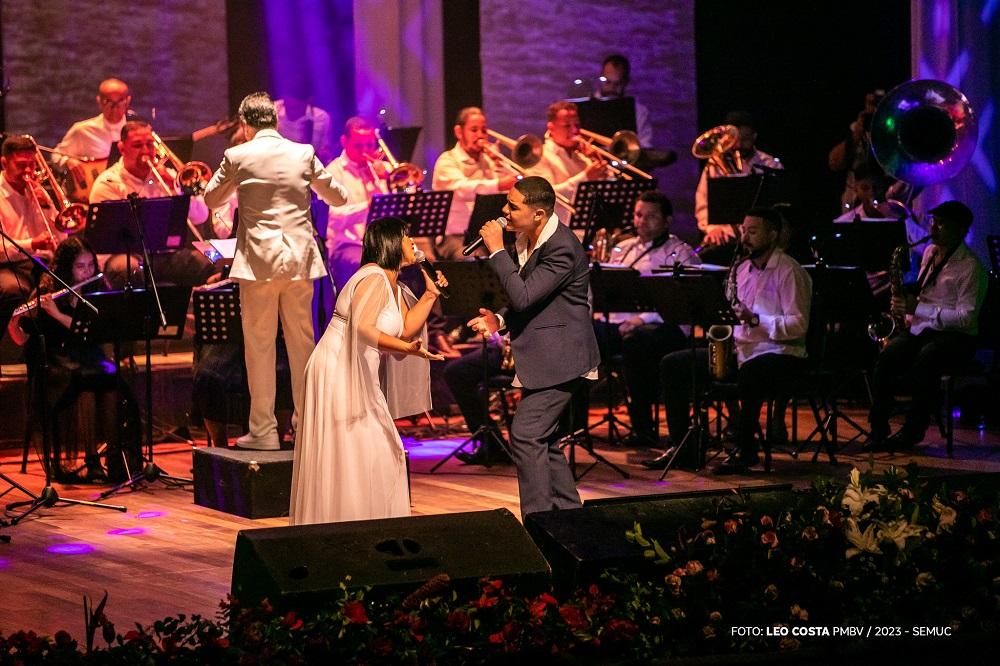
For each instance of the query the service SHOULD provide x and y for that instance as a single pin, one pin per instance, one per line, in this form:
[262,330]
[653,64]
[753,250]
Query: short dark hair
[954,211]
[132,126]
[383,243]
[620,62]
[537,192]
[357,124]
[257,110]
[741,119]
[556,107]
[18,143]
[771,217]
[658,198]
[465,113]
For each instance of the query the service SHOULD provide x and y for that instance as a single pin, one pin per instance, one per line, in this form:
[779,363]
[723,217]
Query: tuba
[718,146]
[923,132]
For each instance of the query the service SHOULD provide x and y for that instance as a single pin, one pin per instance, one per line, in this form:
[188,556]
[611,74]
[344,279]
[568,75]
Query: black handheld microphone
[474,245]
[427,267]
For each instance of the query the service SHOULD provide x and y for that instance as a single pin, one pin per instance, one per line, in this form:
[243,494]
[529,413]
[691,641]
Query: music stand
[124,317]
[868,245]
[607,115]
[730,197]
[474,285]
[217,317]
[692,300]
[426,213]
[110,229]
[606,204]
[487,207]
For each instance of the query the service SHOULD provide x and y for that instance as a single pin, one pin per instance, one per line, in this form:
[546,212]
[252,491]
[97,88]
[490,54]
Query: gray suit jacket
[272,177]
[549,319]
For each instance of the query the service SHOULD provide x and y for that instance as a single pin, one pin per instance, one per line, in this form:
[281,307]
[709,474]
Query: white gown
[349,461]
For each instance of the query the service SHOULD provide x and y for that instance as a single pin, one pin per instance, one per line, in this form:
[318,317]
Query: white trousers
[262,303]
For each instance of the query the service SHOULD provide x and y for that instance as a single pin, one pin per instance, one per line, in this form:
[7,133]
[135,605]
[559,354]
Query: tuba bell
[718,146]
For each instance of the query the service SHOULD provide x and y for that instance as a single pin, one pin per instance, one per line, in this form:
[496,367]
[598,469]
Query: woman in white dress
[349,461]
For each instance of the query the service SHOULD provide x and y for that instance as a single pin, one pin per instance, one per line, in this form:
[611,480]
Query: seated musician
[92,138]
[359,170]
[467,169]
[772,303]
[944,320]
[615,76]
[27,215]
[134,172]
[566,160]
[719,240]
[78,374]
[643,338]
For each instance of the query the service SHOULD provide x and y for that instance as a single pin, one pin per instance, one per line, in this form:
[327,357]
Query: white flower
[863,542]
[946,514]
[856,497]
[898,531]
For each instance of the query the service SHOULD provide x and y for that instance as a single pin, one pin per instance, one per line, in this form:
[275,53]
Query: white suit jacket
[271,177]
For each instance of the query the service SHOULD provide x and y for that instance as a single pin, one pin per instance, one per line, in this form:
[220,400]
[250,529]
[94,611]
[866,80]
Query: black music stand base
[483,433]
[149,473]
[582,438]
[48,497]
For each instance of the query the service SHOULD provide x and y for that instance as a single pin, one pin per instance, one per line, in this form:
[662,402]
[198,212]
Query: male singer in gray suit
[277,257]
[547,278]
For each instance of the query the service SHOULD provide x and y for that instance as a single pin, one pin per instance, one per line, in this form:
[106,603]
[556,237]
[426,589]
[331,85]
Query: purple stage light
[126,531]
[4,563]
[70,549]
[151,514]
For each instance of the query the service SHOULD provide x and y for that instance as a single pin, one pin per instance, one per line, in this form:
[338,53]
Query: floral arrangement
[887,549]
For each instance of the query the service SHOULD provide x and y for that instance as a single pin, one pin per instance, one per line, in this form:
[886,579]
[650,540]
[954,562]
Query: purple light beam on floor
[126,531]
[70,549]
[150,514]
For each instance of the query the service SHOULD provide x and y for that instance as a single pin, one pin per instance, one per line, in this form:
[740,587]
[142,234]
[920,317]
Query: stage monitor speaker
[581,545]
[301,568]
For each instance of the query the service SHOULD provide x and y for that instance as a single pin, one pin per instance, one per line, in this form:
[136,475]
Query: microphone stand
[150,471]
[48,496]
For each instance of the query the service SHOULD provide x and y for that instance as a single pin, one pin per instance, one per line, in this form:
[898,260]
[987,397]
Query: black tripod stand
[474,285]
[693,300]
[159,222]
[48,496]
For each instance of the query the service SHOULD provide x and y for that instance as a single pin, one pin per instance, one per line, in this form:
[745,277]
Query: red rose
[984,516]
[537,608]
[731,526]
[769,539]
[382,646]
[573,616]
[354,611]
[291,621]
[766,521]
[458,620]
[620,629]
[497,637]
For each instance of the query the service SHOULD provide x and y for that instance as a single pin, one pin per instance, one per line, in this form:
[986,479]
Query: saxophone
[885,328]
[720,336]
[506,355]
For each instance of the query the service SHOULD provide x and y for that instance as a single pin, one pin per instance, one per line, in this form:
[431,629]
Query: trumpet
[527,152]
[31,305]
[191,176]
[718,146]
[403,176]
[71,217]
[617,149]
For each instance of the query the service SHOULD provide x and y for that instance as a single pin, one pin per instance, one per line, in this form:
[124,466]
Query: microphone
[474,245]
[427,267]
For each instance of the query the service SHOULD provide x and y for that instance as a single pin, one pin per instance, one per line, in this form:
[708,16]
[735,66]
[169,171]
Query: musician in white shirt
[565,160]
[94,137]
[944,320]
[466,170]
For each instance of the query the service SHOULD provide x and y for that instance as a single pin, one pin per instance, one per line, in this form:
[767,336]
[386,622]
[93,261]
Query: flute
[22,309]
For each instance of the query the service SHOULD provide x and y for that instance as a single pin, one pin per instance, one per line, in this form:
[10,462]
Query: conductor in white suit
[277,257]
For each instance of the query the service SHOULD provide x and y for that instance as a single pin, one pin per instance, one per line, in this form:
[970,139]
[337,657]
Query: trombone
[191,176]
[618,151]
[71,217]
[527,152]
[403,176]
[169,191]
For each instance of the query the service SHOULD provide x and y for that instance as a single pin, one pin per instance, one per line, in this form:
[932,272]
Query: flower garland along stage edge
[887,550]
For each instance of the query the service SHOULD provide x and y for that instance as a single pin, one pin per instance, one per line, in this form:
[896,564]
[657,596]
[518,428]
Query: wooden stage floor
[165,555]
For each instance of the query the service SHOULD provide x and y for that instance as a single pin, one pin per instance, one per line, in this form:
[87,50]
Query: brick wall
[532,50]
[172,55]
